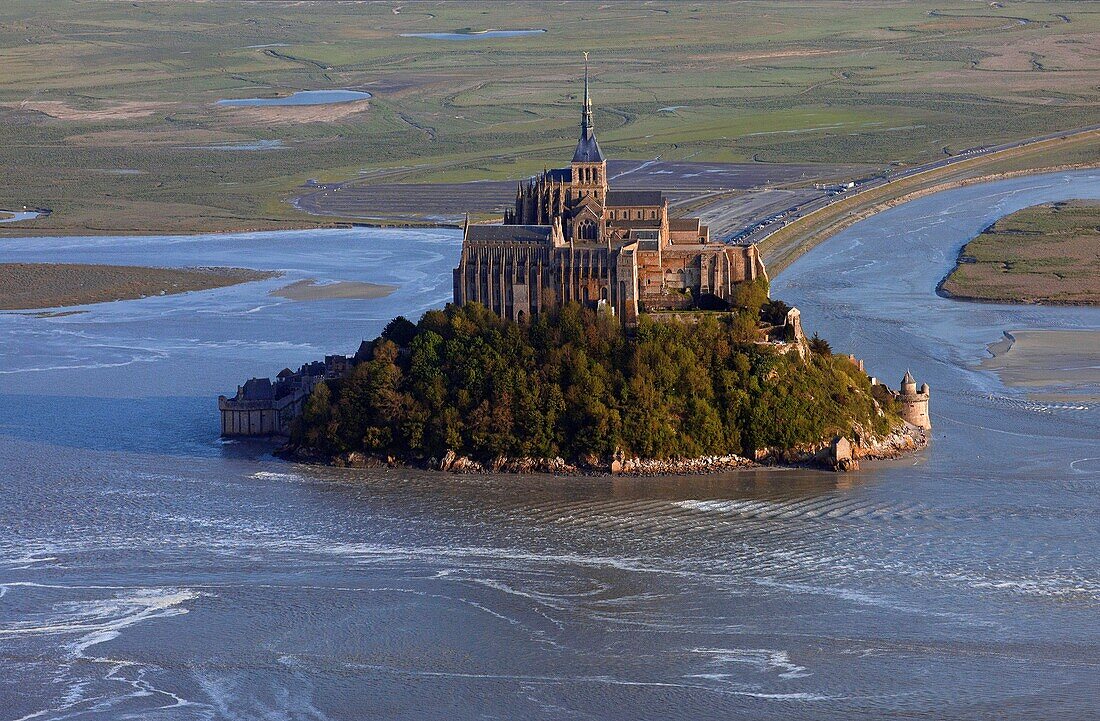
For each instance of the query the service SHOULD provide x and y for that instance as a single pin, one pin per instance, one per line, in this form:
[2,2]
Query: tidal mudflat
[310,289]
[150,569]
[51,285]
[1052,365]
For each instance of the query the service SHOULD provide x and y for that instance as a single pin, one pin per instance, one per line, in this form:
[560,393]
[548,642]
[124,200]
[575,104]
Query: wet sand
[27,286]
[146,562]
[1055,365]
[310,289]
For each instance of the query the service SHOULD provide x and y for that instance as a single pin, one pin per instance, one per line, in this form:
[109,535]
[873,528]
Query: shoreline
[905,440]
[785,258]
[287,226]
[294,224]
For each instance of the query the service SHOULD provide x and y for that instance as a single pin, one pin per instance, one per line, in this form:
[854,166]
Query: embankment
[784,246]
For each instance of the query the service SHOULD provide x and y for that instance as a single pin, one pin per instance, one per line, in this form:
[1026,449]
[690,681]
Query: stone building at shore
[572,237]
[265,408]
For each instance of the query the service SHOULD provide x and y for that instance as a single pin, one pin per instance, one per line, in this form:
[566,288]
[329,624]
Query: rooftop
[588,150]
[507,233]
[619,198]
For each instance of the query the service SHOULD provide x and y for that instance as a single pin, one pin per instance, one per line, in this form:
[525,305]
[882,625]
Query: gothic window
[586,230]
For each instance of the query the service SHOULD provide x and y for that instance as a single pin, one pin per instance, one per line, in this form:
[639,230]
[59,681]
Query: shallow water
[146,568]
[14,216]
[303,97]
[474,35]
[238,147]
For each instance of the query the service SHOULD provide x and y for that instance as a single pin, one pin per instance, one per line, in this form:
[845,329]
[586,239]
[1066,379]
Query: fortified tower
[914,403]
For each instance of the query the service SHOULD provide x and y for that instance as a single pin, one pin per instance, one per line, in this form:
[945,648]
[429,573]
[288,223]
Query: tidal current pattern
[150,570]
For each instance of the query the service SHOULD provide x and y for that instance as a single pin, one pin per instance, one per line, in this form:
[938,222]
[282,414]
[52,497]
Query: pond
[12,216]
[302,97]
[474,34]
[251,145]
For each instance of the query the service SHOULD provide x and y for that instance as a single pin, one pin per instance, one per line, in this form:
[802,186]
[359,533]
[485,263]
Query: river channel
[150,570]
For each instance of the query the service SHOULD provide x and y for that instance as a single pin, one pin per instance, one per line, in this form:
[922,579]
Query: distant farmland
[108,111]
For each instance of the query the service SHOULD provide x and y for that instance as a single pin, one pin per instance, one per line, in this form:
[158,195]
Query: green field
[105,107]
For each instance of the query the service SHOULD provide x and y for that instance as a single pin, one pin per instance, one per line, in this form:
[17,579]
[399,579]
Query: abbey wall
[571,237]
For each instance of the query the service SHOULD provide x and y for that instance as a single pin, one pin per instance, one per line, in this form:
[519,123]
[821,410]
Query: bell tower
[589,168]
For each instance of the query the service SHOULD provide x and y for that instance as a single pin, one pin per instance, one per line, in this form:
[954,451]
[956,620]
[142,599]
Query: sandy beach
[1055,365]
[27,286]
[310,289]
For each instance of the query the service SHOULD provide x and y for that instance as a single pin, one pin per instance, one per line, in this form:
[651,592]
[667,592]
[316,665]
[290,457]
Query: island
[25,286]
[592,330]
[574,390]
[1043,254]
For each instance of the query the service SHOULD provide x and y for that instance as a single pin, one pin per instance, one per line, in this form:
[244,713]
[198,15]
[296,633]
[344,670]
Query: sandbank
[310,289]
[1054,365]
[27,286]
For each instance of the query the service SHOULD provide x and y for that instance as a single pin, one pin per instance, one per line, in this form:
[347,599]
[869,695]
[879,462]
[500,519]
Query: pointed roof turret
[908,378]
[588,150]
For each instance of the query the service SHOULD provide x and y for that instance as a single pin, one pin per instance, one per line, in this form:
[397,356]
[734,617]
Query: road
[764,228]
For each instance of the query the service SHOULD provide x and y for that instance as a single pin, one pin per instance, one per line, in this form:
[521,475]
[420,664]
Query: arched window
[586,230]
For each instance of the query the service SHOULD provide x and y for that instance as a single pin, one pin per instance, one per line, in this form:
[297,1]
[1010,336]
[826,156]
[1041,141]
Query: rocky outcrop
[839,454]
[676,466]
[844,454]
[902,440]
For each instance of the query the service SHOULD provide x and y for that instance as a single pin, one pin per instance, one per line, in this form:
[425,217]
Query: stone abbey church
[572,238]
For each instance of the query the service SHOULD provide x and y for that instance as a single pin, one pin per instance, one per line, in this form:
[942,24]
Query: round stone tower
[912,403]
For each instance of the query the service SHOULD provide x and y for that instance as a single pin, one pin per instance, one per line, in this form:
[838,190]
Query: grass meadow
[108,110]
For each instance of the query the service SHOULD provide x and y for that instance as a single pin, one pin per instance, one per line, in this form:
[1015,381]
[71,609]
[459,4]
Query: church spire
[587,128]
[588,150]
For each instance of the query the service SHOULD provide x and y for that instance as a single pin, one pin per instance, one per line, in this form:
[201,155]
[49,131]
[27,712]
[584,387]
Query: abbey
[571,237]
